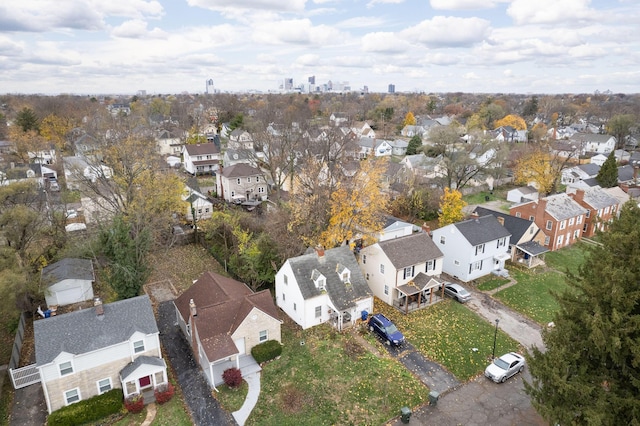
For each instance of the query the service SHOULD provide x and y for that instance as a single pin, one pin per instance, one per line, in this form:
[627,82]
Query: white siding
[377,280]
[292,296]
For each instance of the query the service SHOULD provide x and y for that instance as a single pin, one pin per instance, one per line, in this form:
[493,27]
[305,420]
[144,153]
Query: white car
[504,367]
[457,292]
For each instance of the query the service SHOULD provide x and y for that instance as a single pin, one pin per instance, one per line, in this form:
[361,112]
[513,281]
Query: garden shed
[68,281]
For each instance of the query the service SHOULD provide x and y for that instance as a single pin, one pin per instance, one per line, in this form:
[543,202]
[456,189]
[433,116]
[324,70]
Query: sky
[174,46]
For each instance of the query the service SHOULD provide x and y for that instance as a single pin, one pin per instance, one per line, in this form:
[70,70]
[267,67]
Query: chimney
[99,308]
[475,214]
[500,220]
[320,251]
[426,228]
[193,313]
[192,308]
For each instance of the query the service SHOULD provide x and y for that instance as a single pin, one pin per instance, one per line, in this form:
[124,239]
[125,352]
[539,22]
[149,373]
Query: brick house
[558,216]
[601,209]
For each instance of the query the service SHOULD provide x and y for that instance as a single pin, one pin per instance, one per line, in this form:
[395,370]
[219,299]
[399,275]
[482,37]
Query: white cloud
[361,22]
[372,3]
[587,51]
[446,31]
[137,28]
[279,5]
[295,31]
[384,43]
[464,4]
[551,11]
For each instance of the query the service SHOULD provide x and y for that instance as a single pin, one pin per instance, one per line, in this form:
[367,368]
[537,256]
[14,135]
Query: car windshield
[391,329]
[501,363]
[463,292]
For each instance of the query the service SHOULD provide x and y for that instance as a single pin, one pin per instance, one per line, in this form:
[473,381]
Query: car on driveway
[386,329]
[504,367]
[457,292]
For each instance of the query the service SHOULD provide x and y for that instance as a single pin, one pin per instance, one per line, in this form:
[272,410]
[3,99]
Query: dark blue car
[386,329]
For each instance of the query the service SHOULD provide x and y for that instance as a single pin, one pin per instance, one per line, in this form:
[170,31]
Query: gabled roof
[343,296]
[410,250]
[517,226]
[67,269]
[482,229]
[202,149]
[598,198]
[590,169]
[222,304]
[562,207]
[83,331]
[591,137]
[240,170]
[625,173]
[139,362]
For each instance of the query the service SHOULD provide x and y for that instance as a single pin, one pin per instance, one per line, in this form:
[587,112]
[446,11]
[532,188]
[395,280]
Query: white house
[522,194]
[400,270]
[68,281]
[241,182]
[87,352]
[77,170]
[198,204]
[323,286]
[593,142]
[579,173]
[473,248]
[376,147]
[168,143]
[201,158]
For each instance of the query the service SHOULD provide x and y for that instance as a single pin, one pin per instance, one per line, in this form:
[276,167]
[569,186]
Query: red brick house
[559,217]
[601,209]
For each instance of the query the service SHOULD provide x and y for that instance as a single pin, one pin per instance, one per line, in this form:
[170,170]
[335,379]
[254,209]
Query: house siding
[304,312]
[83,291]
[541,216]
[253,324]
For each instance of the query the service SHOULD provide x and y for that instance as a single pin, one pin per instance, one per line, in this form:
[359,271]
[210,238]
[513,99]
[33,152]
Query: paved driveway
[204,409]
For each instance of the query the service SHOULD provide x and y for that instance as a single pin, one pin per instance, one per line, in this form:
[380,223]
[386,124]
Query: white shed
[68,281]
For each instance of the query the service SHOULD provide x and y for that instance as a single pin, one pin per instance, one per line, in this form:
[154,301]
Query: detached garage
[68,281]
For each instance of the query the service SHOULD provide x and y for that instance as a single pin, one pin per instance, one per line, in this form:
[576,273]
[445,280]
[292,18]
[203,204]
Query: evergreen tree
[608,174]
[27,120]
[590,372]
[415,143]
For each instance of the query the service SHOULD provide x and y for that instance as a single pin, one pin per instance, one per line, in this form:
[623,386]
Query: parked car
[386,329]
[457,292]
[504,367]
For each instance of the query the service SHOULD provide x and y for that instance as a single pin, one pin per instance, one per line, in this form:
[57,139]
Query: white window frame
[571,221]
[318,311]
[547,240]
[285,279]
[63,371]
[579,220]
[238,180]
[456,262]
[77,395]
[100,391]
[295,306]
[518,214]
[386,289]
[549,225]
[136,346]
[560,240]
[563,224]
[430,265]
[479,249]
[443,239]
[263,336]
[382,268]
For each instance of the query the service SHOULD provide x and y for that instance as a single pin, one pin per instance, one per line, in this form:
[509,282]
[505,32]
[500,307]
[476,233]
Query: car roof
[383,319]
[510,357]
[455,285]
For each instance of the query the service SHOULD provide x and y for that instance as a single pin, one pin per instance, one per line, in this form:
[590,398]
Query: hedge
[89,410]
[266,351]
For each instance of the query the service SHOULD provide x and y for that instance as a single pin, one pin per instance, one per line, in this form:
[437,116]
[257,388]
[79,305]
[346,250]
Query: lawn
[326,378]
[567,258]
[447,333]
[231,399]
[532,295]
[491,282]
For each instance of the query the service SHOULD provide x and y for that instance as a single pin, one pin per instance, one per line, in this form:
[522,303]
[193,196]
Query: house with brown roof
[223,320]
[201,158]
[241,182]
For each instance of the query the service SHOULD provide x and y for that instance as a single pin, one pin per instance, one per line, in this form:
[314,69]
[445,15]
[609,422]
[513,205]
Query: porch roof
[532,248]
[420,283]
[142,360]
[502,256]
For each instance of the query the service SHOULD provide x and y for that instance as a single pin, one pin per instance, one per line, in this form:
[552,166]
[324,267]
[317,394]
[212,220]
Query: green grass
[567,258]
[326,378]
[447,332]
[491,283]
[231,399]
[532,295]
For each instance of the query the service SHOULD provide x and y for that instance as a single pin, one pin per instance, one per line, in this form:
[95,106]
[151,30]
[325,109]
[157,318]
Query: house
[338,118]
[580,172]
[201,158]
[85,145]
[423,167]
[234,156]
[558,216]
[223,320]
[601,207]
[67,281]
[522,194]
[473,248]
[363,130]
[509,134]
[399,147]
[198,204]
[34,172]
[525,243]
[240,139]
[402,271]
[44,156]
[168,143]
[241,182]
[594,143]
[377,147]
[323,286]
[410,131]
[598,159]
[395,228]
[87,352]
[77,171]
[621,155]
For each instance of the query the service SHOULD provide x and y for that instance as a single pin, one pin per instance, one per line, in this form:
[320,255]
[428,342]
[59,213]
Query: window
[260,189]
[249,180]
[295,307]
[430,266]
[531,231]
[286,279]
[563,224]
[585,227]
[501,242]
[318,311]
[575,234]
[238,180]
[72,396]
[456,262]
[547,240]
[475,266]
[138,346]
[263,336]
[104,385]
[408,272]
[386,289]
[571,221]
[579,220]
[206,210]
[479,248]
[560,239]
[66,368]
[588,213]
[549,224]
[199,211]
[381,268]
[364,258]
[442,239]
[284,297]
[518,214]
[367,275]
[531,218]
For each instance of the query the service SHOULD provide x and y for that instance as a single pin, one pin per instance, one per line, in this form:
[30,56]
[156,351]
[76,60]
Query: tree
[512,120]
[590,371]
[409,119]
[486,116]
[451,205]
[531,107]
[27,120]
[55,129]
[415,143]
[542,166]
[620,126]
[608,175]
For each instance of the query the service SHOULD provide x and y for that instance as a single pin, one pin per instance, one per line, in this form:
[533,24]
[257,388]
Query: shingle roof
[517,226]
[141,360]
[341,295]
[79,269]
[590,169]
[482,229]
[202,149]
[240,170]
[410,250]
[562,207]
[83,331]
[598,198]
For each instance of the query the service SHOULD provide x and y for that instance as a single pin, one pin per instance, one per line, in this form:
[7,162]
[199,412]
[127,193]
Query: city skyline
[174,46]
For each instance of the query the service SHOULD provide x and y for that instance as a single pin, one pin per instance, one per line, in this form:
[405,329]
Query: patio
[418,294]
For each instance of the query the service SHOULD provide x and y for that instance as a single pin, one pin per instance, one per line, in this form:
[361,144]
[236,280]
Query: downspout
[213,381]
[46,392]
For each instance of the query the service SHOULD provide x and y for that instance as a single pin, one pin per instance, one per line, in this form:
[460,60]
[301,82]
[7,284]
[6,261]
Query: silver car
[457,292]
[504,367]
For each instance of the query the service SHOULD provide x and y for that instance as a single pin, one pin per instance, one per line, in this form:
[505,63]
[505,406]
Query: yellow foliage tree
[541,168]
[357,206]
[451,205]
[512,120]
[55,128]
[409,119]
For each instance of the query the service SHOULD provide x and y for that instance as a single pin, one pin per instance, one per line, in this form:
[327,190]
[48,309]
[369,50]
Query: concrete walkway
[151,414]
[253,382]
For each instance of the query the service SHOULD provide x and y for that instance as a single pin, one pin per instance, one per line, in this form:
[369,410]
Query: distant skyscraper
[392,88]
[209,86]
[288,84]
[312,80]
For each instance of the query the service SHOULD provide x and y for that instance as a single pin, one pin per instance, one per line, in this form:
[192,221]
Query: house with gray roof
[403,271]
[578,173]
[241,183]
[323,286]
[601,207]
[473,248]
[67,281]
[87,352]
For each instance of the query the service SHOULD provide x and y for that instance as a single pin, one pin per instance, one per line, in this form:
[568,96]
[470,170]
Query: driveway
[204,409]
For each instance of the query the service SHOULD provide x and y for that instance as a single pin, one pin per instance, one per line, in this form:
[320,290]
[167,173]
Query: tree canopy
[451,205]
[512,120]
[590,371]
[409,119]
[620,126]
[415,143]
[608,174]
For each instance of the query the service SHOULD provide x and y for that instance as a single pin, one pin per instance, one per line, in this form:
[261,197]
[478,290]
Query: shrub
[266,351]
[164,393]
[89,410]
[134,403]
[232,377]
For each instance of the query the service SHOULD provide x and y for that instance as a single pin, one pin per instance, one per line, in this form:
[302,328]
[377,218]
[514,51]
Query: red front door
[145,382]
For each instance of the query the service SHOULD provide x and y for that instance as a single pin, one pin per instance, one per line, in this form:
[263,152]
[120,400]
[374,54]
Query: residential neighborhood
[271,251]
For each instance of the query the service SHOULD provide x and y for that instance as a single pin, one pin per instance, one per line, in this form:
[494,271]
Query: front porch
[245,363]
[529,254]
[418,294]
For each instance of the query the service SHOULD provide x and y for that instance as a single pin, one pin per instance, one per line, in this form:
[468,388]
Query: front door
[145,382]
[240,345]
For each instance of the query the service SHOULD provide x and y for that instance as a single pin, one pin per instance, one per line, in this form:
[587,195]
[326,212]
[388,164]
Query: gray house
[68,281]
[473,248]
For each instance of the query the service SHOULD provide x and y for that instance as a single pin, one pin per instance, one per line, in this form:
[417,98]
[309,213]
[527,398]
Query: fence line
[17,343]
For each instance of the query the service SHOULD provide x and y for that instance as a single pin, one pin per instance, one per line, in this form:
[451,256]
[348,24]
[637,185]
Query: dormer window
[318,279]
[344,273]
